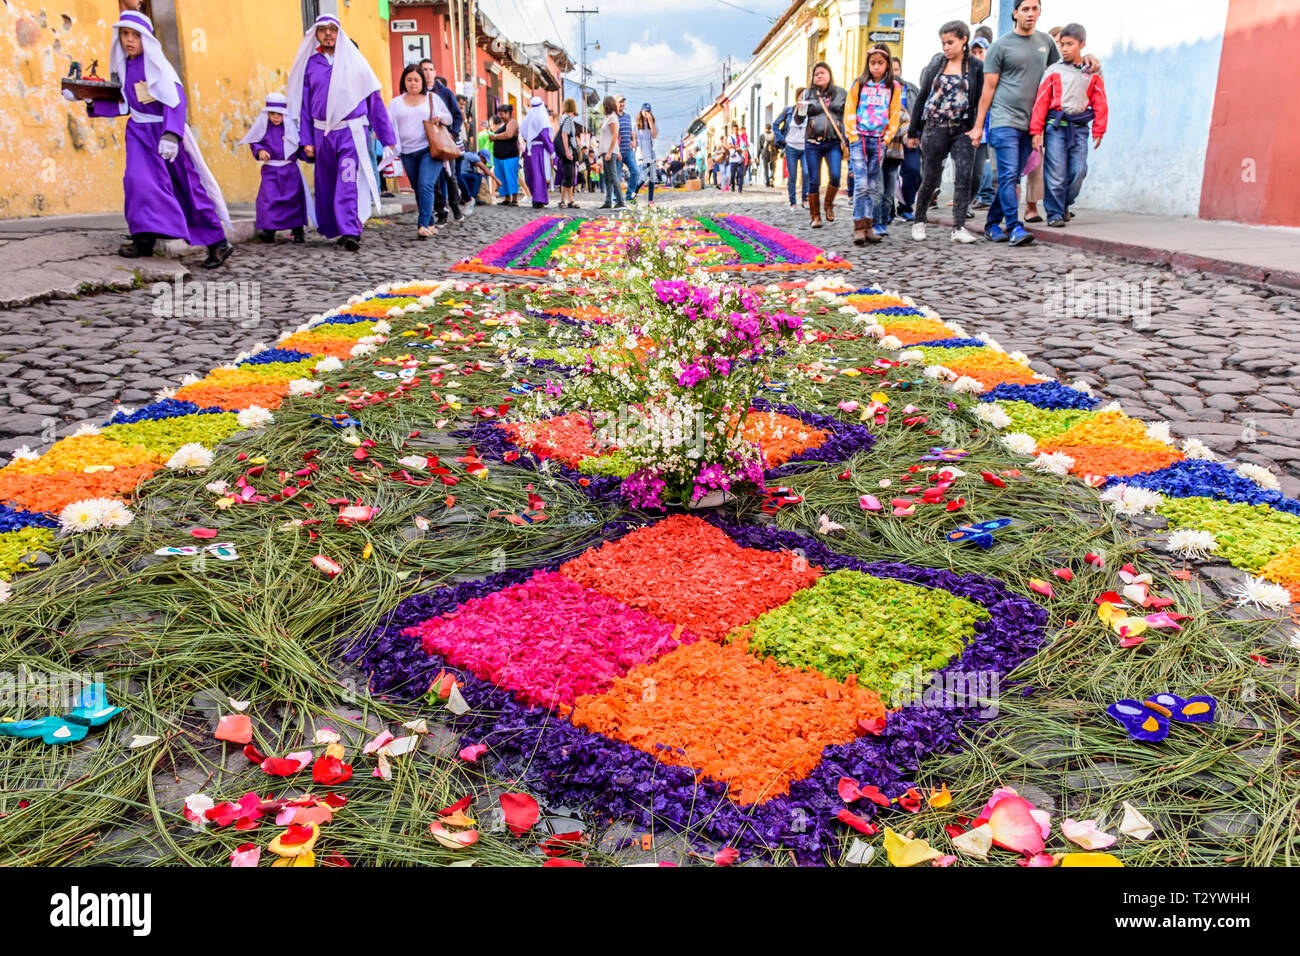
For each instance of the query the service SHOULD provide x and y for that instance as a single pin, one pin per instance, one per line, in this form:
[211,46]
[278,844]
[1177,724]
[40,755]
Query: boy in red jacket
[1068,101]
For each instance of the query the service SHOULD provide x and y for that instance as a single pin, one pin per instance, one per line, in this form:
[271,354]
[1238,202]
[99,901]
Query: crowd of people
[1022,107]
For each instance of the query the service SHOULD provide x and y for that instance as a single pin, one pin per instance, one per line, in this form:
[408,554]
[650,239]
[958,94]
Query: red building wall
[1252,163]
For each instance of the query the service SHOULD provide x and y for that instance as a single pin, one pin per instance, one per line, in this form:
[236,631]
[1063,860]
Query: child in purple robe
[283,200]
[535,131]
[168,189]
[333,97]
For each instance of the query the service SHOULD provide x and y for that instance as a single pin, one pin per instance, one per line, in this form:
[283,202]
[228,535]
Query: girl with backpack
[873,115]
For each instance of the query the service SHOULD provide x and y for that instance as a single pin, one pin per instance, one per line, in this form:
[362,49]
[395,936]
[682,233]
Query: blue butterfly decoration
[522,388]
[1149,719]
[338,421]
[945,454]
[92,710]
[978,534]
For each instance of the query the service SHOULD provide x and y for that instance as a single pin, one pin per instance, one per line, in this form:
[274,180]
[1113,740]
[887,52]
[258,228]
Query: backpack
[780,126]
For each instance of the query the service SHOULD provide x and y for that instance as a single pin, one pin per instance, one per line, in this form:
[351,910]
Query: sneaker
[962,235]
[918,231]
[1020,236]
[1056,223]
[907,217]
[881,230]
[457,216]
[606,206]
[995,233]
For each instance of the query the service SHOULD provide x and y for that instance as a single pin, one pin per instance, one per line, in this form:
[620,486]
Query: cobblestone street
[1214,357]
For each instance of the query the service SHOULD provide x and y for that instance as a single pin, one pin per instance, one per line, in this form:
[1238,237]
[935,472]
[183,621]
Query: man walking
[767,151]
[627,154]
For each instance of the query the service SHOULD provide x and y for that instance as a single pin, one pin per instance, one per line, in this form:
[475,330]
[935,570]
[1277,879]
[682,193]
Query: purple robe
[340,170]
[282,197]
[162,198]
[540,153]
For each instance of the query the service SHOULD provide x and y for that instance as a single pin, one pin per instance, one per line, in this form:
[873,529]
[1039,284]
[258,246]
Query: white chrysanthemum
[1080,385]
[5,591]
[372,340]
[1021,443]
[958,331]
[937,372]
[287,333]
[329,364]
[1020,357]
[1263,594]
[190,379]
[1195,448]
[254,416]
[304,386]
[871,327]
[114,514]
[163,394]
[994,344]
[217,487]
[967,384]
[85,428]
[24,454]
[1259,475]
[1111,407]
[1131,501]
[381,328]
[81,516]
[360,349]
[190,457]
[891,342]
[1057,463]
[125,410]
[1159,431]
[1192,543]
[992,414]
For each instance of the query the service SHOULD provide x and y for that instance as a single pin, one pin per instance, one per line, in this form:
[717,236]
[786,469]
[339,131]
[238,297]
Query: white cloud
[659,64]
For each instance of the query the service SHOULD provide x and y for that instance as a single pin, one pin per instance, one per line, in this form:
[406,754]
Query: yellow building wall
[57,160]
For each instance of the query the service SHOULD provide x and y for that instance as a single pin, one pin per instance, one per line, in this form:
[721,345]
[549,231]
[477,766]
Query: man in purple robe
[335,96]
[168,188]
[535,131]
[283,201]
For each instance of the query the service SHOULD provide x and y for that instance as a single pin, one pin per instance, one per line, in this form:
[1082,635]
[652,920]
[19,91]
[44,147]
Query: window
[310,11]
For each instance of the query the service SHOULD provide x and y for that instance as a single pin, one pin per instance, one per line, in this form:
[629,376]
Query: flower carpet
[719,243]
[482,503]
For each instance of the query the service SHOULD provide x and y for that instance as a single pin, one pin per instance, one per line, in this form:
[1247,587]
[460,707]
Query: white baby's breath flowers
[1264,595]
[965,383]
[1195,448]
[992,414]
[329,364]
[190,457]
[304,386]
[1259,475]
[1192,543]
[1056,463]
[254,416]
[1021,443]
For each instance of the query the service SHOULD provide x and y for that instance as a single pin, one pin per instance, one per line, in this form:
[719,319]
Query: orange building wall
[1252,163]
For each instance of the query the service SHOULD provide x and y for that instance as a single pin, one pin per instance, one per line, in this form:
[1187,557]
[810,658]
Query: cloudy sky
[665,52]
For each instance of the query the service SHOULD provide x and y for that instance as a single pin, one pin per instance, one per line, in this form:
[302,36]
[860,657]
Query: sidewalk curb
[1177,261]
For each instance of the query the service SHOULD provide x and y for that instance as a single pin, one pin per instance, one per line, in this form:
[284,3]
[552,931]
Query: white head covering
[159,75]
[275,103]
[350,83]
[536,120]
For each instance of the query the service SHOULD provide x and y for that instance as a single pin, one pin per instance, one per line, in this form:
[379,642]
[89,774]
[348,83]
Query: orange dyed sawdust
[990,374]
[795,436]
[1110,428]
[77,453]
[749,723]
[51,492]
[236,398]
[685,571]
[319,345]
[1112,459]
[926,330]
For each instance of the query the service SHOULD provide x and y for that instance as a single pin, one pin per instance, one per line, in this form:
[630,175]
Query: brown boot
[868,233]
[830,198]
[815,210]
[860,229]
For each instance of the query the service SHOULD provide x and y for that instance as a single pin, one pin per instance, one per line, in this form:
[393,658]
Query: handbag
[844,143]
[441,145]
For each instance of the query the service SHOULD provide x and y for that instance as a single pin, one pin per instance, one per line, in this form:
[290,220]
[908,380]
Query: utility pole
[582,13]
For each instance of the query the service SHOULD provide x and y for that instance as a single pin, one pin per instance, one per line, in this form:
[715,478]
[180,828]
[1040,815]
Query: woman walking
[875,107]
[609,155]
[505,153]
[944,116]
[535,131]
[646,131]
[408,111]
[568,150]
[824,104]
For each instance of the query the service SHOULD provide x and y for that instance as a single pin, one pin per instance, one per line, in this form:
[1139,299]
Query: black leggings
[939,141]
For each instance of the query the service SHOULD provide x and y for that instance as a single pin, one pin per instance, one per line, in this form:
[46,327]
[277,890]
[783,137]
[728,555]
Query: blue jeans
[737,176]
[793,165]
[1011,148]
[633,174]
[813,154]
[1064,166]
[986,192]
[647,179]
[864,159]
[909,178]
[422,170]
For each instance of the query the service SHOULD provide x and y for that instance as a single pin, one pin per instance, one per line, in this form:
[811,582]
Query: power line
[725,3]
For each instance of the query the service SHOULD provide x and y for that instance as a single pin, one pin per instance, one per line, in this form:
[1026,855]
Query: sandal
[1033,219]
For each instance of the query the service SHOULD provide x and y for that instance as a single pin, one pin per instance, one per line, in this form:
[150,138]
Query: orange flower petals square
[685,571]
[749,723]
[780,437]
